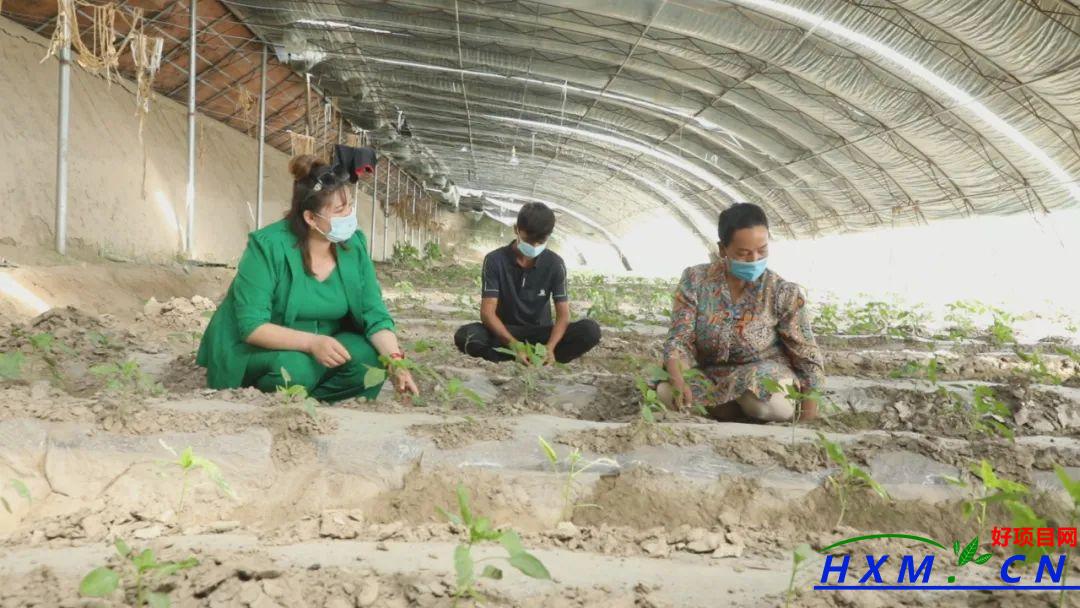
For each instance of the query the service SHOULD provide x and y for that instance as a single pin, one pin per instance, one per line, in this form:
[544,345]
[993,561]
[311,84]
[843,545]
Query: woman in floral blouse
[740,323]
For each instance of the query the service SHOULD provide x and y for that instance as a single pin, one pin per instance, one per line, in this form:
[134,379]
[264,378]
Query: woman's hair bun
[302,166]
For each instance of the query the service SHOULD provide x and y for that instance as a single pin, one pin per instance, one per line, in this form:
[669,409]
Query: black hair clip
[326,179]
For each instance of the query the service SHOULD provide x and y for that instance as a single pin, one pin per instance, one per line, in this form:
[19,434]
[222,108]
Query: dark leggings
[476,341]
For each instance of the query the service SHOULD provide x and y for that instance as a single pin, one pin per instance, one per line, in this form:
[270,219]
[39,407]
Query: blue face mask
[748,271]
[341,228]
[530,251]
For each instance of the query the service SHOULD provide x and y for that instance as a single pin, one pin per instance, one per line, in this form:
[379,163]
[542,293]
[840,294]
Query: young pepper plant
[994,490]
[477,530]
[848,477]
[146,570]
[456,389]
[188,461]
[390,367]
[533,353]
[650,399]
[798,555]
[988,412]
[795,396]
[575,465]
[296,394]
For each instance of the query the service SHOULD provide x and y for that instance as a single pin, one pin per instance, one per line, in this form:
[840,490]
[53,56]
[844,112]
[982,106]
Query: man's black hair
[737,217]
[536,220]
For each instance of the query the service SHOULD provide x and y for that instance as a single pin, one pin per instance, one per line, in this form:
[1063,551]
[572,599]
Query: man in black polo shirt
[519,281]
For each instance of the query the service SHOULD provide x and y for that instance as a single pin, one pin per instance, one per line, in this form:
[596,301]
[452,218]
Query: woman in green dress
[305,307]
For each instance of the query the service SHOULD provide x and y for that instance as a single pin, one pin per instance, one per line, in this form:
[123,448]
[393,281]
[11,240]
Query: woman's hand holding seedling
[682,395]
[396,369]
[403,381]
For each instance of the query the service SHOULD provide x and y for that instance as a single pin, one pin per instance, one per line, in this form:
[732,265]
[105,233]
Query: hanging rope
[146,56]
[301,144]
[102,56]
[246,105]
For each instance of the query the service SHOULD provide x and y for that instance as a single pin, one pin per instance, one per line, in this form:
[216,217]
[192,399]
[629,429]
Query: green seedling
[1037,371]
[422,346]
[478,529]
[390,367]
[882,318]
[1072,354]
[296,394]
[45,346]
[827,321]
[1001,330]
[917,369]
[146,573]
[574,464]
[849,477]
[993,489]
[531,357]
[20,489]
[406,255]
[432,252]
[127,378]
[988,413]
[650,401]
[795,396]
[11,365]
[798,555]
[456,389]
[962,326]
[99,340]
[188,462]
[529,354]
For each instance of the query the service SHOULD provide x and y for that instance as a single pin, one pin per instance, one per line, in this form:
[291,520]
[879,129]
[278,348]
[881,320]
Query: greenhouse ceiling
[836,116]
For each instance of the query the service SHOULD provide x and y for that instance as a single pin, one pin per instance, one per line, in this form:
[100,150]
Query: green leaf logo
[967,554]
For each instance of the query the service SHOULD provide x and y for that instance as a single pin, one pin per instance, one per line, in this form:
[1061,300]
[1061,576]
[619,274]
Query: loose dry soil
[341,510]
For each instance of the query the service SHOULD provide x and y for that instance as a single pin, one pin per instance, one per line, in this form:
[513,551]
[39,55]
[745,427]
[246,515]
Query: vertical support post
[403,224]
[189,243]
[262,142]
[307,106]
[62,129]
[374,207]
[386,217]
[413,215]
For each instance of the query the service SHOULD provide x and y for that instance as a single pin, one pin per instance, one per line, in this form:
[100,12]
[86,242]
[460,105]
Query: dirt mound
[38,589]
[293,428]
[183,375]
[181,314]
[625,438]
[450,435]
[767,452]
